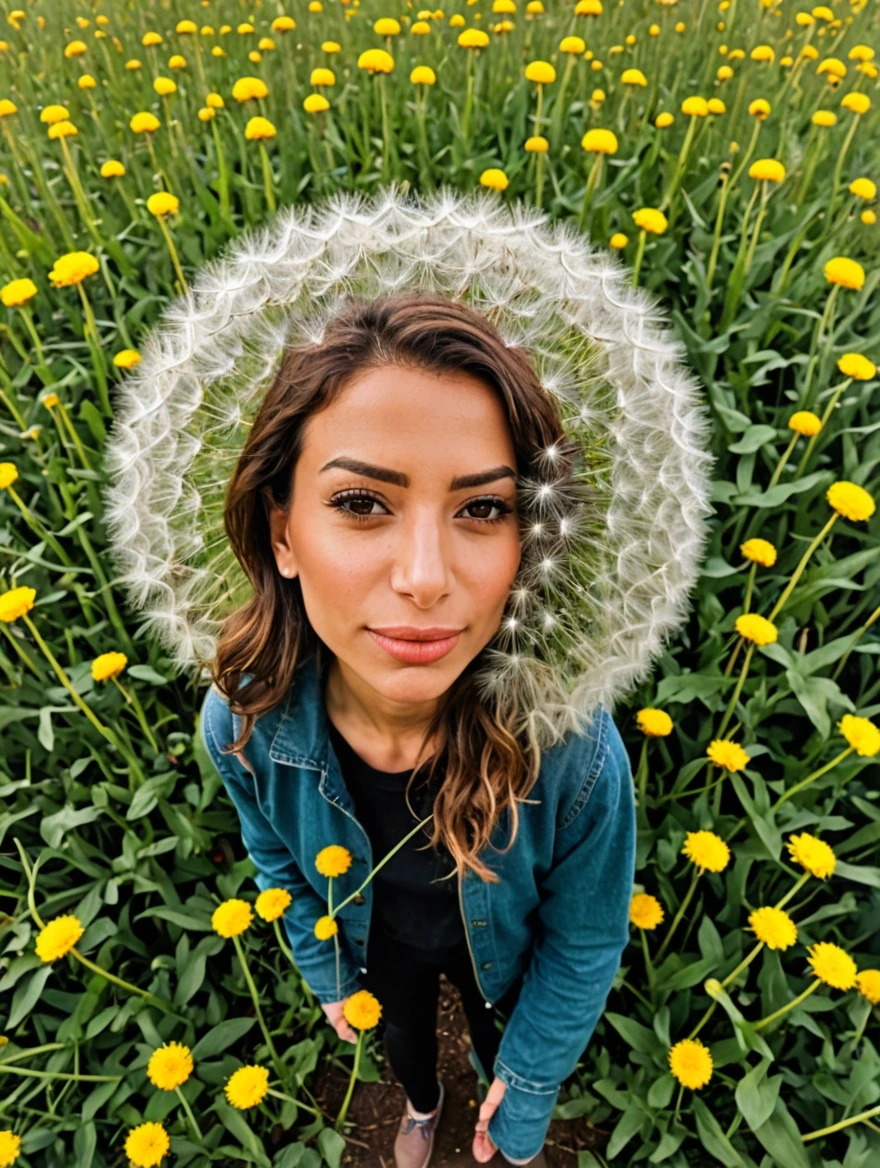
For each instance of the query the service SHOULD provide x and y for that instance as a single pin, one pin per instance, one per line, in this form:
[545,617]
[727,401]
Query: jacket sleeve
[582,931]
[275,863]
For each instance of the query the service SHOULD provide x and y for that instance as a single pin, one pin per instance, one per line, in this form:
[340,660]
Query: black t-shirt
[411,901]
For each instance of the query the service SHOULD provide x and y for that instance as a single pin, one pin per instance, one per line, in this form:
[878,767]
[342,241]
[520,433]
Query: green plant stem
[279,1065]
[682,908]
[354,1070]
[814,985]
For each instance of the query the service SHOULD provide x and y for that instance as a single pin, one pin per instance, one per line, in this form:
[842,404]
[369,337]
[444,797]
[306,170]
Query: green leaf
[639,1037]
[26,997]
[782,1139]
[713,1138]
[861,873]
[660,1092]
[235,1123]
[332,1146]
[756,1098]
[221,1037]
[624,1130]
[754,438]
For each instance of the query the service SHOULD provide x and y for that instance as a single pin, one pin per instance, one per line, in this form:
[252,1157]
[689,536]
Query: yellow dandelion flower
[127,358]
[10,1148]
[634,77]
[260,129]
[232,917]
[805,422]
[618,240]
[495,179]
[325,928]
[756,629]
[599,142]
[654,723]
[170,1066]
[846,272]
[856,103]
[664,120]
[868,984]
[857,366]
[706,850]
[322,76]
[423,75]
[18,292]
[759,551]
[825,118]
[767,170]
[851,501]
[147,1145]
[861,734]
[16,602]
[73,268]
[63,130]
[108,665]
[112,168]
[832,965]
[58,937]
[8,474]
[215,101]
[541,72]
[163,203]
[165,86]
[50,400]
[813,854]
[863,188]
[334,860]
[250,88]
[247,1087]
[273,903]
[144,123]
[362,1010]
[727,754]
[716,106]
[868,217]
[645,911]
[650,219]
[376,61]
[51,115]
[774,927]
[695,107]
[691,1063]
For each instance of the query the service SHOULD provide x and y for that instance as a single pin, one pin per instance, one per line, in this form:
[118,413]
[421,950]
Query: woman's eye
[357,499]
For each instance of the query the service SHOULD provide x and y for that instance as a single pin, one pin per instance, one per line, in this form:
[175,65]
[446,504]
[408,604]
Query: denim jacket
[559,916]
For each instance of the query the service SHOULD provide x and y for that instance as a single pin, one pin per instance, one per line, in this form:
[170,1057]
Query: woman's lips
[416,652]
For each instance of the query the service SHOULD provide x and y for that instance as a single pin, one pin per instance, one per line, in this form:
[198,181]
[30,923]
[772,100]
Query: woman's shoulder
[578,762]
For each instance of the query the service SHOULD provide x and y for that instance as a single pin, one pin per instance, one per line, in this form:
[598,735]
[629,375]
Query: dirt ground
[376,1109]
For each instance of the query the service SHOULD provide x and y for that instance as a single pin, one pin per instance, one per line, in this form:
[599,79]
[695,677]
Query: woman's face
[406,545]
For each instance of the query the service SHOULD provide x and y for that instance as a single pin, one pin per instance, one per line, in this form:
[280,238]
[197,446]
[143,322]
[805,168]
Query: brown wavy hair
[485,760]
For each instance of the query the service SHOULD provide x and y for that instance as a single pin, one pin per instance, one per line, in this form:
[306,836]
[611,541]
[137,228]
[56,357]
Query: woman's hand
[338,1021]
[483,1149]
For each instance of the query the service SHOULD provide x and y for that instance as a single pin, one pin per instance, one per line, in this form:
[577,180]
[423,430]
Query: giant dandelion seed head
[613,518]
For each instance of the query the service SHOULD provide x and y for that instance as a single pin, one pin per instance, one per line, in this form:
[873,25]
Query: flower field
[727,153]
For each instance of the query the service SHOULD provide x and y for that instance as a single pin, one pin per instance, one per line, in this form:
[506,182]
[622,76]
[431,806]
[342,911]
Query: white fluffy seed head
[610,554]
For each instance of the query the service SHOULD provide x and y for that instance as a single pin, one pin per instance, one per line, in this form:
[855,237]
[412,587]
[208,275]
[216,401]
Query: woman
[406,492]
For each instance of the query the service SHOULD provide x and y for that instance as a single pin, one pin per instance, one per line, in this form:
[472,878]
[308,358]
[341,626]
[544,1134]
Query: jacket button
[478,923]
[487,965]
[360,899]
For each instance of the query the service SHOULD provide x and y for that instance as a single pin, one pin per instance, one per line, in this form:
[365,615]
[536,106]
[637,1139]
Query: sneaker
[415,1139]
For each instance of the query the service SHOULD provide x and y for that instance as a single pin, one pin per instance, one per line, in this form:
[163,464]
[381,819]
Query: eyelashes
[338,503]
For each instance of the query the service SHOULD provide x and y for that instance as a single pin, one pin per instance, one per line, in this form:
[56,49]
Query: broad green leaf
[332,1146]
[639,1037]
[782,1139]
[624,1130]
[713,1138]
[756,1094]
[221,1037]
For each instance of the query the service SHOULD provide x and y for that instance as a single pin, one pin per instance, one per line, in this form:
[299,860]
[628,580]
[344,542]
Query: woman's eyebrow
[385,475]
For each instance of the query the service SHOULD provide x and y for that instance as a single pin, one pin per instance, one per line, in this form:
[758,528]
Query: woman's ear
[277,519]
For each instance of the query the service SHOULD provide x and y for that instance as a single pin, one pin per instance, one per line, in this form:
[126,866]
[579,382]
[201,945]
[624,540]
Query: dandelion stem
[682,908]
[790,1006]
[810,779]
[640,251]
[279,1066]
[345,1102]
[192,1119]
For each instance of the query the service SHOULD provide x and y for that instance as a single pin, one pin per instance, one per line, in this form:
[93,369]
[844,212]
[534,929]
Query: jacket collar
[302,736]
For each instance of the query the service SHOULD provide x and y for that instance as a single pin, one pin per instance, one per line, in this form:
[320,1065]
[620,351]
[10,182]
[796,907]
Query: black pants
[407,983]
